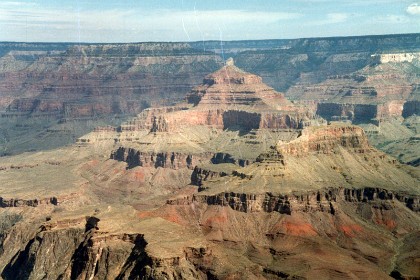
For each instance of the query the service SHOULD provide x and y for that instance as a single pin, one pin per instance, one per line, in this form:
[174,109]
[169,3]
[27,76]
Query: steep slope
[90,80]
[282,64]
[57,87]
[197,191]
[352,213]
[54,82]
[231,113]
[378,97]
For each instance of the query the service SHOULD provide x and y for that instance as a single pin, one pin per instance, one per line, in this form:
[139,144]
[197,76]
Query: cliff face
[376,92]
[114,76]
[411,107]
[234,118]
[201,235]
[378,96]
[88,85]
[81,72]
[231,98]
[325,140]
[325,192]
[239,183]
[336,155]
[367,113]
[85,253]
[397,57]
[283,63]
[83,82]
[165,159]
[321,201]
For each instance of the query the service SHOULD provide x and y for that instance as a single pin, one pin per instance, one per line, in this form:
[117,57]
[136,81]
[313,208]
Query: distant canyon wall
[92,80]
[396,57]
[364,112]
[68,79]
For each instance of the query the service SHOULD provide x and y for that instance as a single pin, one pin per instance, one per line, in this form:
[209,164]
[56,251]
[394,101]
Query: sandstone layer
[325,197]
[81,83]
[236,183]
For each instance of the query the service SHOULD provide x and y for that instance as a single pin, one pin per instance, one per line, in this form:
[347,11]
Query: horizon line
[200,41]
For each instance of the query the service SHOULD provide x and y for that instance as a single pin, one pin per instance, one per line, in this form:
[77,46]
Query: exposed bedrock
[284,120]
[149,119]
[240,119]
[353,112]
[100,79]
[325,140]
[366,112]
[230,119]
[325,200]
[411,107]
[228,158]
[275,120]
[241,106]
[86,253]
[204,174]
[16,202]
[173,160]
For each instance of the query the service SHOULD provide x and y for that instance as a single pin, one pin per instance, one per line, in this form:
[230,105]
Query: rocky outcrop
[231,119]
[376,92]
[232,76]
[390,109]
[325,140]
[219,158]
[229,98]
[86,72]
[172,160]
[231,86]
[148,118]
[396,57]
[285,120]
[351,112]
[411,107]
[16,202]
[320,201]
[241,119]
[107,128]
[201,174]
[362,113]
[79,253]
[159,125]
[284,63]
[325,193]
[87,80]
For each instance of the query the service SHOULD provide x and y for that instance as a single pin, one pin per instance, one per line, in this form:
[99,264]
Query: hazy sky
[189,20]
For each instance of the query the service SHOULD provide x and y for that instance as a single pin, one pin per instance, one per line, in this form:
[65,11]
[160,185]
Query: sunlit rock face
[238,183]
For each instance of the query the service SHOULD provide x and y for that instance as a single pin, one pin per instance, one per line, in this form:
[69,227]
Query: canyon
[61,91]
[164,161]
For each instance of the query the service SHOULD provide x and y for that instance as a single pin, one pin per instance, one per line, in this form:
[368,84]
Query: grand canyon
[258,159]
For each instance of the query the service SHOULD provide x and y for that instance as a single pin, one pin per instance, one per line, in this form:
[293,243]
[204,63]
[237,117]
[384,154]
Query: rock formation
[231,107]
[82,83]
[379,97]
[326,195]
[236,183]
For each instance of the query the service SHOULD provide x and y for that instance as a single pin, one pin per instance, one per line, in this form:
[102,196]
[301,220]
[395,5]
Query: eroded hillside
[58,92]
[238,182]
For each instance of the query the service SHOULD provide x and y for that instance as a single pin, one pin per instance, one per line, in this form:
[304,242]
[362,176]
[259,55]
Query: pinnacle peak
[231,74]
[230,62]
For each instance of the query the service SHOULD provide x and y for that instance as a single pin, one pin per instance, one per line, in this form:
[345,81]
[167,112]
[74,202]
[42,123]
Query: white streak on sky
[48,21]
[185,30]
[198,25]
